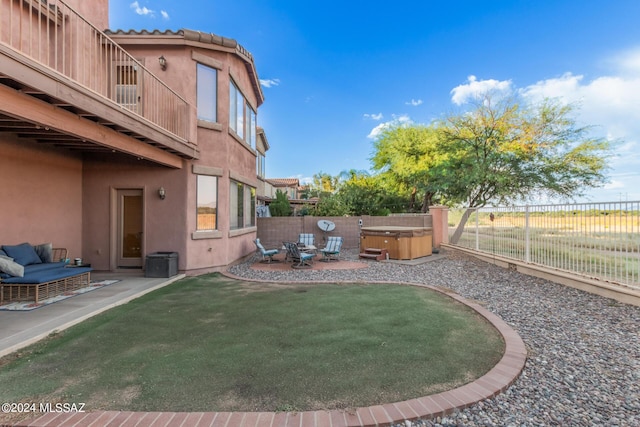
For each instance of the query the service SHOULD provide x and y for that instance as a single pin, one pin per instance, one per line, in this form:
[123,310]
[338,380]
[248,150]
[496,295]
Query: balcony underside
[37,103]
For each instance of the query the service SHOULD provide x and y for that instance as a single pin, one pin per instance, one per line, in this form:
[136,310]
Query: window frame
[242,205]
[243,118]
[206,68]
[216,201]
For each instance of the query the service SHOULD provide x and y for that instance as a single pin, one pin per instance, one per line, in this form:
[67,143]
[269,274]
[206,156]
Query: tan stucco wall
[218,149]
[40,195]
[68,198]
[164,220]
[94,11]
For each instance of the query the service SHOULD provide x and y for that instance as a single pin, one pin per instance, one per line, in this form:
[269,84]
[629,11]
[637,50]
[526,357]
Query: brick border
[494,382]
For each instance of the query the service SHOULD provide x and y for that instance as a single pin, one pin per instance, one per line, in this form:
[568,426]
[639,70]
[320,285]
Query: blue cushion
[23,254]
[35,268]
[48,275]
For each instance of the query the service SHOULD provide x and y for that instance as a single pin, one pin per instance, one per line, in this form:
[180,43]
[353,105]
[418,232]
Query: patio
[21,328]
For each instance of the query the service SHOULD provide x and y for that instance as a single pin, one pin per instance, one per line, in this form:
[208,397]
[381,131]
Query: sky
[336,72]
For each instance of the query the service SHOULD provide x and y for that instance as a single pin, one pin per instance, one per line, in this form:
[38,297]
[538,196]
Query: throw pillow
[45,252]
[23,254]
[10,267]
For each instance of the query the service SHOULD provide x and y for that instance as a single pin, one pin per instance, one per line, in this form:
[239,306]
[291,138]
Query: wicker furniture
[44,280]
[16,292]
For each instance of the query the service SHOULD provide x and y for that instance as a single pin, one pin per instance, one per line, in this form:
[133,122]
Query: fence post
[527,245]
[477,229]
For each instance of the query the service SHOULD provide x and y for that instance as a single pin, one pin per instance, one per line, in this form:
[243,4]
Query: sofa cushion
[36,268]
[48,275]
[44,251]
[23,254]
[10,267]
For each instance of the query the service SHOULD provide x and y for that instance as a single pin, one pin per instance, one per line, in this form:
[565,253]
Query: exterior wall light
[163,62]
[162,193]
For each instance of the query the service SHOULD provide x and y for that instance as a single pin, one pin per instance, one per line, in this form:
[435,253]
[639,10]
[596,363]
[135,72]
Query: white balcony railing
[55,36]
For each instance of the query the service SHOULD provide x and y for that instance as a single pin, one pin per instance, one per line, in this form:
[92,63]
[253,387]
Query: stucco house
[119,144]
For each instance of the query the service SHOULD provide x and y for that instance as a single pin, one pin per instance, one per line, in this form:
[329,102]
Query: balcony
[64,82]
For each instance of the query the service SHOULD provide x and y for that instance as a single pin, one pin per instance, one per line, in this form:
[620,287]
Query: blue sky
[335,72]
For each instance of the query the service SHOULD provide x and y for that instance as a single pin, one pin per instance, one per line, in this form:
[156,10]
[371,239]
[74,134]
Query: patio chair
[331,251]
[300,259]
[307,239]
[267,254]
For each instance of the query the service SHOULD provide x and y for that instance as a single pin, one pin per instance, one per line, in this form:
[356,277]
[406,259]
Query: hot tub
[400,242]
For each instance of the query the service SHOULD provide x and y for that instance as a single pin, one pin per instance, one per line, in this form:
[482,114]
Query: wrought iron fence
[597,240]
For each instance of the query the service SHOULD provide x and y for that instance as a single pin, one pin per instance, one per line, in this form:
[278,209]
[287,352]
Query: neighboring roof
[263,137]
[192,37]
[284,182]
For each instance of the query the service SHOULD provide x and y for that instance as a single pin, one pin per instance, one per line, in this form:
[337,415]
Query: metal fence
[596,240]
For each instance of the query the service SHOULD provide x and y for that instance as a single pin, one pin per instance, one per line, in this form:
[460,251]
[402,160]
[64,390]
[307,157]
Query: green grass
[214,344]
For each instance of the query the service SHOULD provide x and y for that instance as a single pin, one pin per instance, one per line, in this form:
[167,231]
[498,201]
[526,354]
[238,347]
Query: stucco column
[440,217]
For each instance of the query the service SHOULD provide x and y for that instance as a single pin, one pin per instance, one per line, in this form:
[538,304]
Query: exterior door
[130,229]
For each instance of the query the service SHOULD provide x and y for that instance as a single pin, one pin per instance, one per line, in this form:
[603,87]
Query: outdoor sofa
[33,273]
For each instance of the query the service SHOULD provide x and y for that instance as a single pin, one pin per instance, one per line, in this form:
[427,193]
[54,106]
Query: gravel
[583,365]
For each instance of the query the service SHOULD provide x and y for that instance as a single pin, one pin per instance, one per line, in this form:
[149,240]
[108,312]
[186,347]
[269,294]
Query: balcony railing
[52,34]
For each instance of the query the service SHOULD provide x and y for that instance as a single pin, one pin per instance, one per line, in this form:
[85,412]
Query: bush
[280,206]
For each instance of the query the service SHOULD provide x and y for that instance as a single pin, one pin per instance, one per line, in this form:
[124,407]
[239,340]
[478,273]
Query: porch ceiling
[33,114]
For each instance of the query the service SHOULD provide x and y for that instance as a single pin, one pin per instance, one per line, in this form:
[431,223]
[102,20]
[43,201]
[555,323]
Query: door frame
[115,194]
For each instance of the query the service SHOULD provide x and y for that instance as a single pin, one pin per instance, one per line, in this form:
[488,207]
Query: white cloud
[164,14]
[626,62]
[269,82]
[611,104]
[141,10]
[414,102]
[375,117]
[613,185]
[475,88]
[397,121]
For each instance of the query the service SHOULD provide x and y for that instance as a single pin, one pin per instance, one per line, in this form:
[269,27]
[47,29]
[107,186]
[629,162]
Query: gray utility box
[161,264]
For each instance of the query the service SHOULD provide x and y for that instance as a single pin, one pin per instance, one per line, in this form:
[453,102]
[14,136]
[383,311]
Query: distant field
[597,243]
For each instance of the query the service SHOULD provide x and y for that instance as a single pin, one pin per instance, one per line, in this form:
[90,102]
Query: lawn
[210,343]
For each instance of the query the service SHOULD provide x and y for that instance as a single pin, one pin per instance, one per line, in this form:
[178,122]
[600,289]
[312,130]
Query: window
[252,206]
[260,165]
[251,127]
[207,202]
[243,205]
[207,87]
[243,126]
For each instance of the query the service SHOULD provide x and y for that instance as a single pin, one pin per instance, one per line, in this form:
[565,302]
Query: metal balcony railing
[53,35]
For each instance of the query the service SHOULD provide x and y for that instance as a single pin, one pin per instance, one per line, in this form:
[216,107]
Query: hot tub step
[374,253]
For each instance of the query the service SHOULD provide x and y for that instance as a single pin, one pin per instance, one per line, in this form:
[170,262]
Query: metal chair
[331,251]
[308,239]
[267,254]
[300,259]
